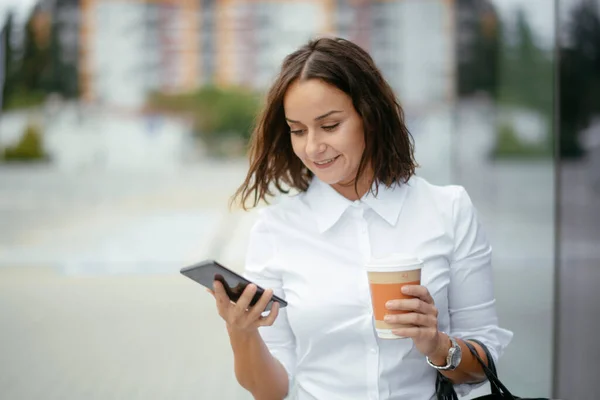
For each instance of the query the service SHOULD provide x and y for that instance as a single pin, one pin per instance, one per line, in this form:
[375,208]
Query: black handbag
[445,389]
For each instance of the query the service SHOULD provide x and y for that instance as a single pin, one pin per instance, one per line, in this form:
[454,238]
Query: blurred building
[411,41]
[253,37]
[132,47]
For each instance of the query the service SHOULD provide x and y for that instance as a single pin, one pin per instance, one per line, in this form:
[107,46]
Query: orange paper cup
[386,278]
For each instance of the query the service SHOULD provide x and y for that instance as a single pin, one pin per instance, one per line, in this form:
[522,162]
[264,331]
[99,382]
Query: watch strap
[450,366]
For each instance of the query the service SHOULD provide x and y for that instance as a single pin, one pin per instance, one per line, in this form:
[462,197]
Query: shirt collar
[328,205]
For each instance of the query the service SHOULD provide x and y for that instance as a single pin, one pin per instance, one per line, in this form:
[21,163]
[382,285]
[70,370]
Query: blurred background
[123,131]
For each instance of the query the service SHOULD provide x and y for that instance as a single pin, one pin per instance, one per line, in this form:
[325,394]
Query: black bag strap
[445,389]
[490,364]
[490,370]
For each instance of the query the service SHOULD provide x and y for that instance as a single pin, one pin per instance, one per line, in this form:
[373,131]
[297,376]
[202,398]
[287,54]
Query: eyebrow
[316,119]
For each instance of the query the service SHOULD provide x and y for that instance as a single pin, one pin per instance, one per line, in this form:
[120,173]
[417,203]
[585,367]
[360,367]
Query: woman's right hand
[240,317]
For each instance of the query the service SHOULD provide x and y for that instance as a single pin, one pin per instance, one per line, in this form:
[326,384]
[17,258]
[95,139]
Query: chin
[328,178]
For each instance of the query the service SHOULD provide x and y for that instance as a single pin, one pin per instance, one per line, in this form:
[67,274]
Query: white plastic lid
[394,262]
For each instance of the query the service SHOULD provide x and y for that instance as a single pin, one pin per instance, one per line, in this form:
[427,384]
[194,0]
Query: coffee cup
[386,277]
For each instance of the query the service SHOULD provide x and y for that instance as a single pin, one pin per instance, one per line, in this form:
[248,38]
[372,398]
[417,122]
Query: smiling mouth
[326,162]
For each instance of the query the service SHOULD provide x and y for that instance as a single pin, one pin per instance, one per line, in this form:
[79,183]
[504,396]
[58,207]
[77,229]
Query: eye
[297,131]
[330,128]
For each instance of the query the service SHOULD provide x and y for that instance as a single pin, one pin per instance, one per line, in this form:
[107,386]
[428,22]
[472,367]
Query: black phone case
[206,272]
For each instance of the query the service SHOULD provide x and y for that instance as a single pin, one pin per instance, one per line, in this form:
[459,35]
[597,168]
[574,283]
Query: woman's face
[327,132]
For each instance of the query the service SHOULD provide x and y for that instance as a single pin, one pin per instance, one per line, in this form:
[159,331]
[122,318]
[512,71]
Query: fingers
[243,303]
[417,333]
[220,294]
[418,291]
[270,319]
[260,306]
[419,311]
[414,319]
[222,300]
[240,314]
[416,305]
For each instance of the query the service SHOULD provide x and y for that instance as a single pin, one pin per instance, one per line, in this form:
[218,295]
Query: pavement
[92,305]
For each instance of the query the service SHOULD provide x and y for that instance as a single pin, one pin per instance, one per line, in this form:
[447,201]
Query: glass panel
[579,200]
[135,186]
[503,154]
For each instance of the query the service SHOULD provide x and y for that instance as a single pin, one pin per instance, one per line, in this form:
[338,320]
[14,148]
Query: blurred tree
[579,76]
[478,45]
[36,56]
[25,79]
[10,67]
[219,114]
[526,71]
[41,67]
[59,76]
[525,87]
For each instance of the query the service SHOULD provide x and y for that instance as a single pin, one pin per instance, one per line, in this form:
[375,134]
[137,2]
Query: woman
[333,131]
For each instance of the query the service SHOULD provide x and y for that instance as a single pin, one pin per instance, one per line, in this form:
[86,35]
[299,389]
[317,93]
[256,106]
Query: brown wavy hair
[389,146]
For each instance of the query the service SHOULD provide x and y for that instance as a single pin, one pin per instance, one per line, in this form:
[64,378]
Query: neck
[353,191]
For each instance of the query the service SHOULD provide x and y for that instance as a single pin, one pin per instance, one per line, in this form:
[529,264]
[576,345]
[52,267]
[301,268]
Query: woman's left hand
[421,316]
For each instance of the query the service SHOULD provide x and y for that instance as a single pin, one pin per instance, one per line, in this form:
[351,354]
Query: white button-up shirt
[311,249]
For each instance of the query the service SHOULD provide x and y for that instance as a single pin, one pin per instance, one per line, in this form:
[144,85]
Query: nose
[314,145]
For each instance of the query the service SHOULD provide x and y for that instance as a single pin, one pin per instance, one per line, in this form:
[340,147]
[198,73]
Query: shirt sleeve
[262,268]
[471,301]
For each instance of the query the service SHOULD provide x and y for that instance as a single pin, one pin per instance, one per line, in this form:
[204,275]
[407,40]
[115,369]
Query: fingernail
[388,304]
[405,289]
[387,318]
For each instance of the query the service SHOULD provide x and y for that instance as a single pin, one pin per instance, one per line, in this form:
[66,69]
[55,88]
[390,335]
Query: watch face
[452,360]
[456,356]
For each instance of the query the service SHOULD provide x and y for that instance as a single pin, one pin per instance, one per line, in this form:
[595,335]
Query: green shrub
[23,99]
[508,145]
[219,114]
[29,148]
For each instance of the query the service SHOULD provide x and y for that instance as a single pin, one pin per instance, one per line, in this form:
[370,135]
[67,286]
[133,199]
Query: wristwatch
[452,360]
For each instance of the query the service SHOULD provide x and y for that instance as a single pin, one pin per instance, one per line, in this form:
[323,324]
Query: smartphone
[208,271]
